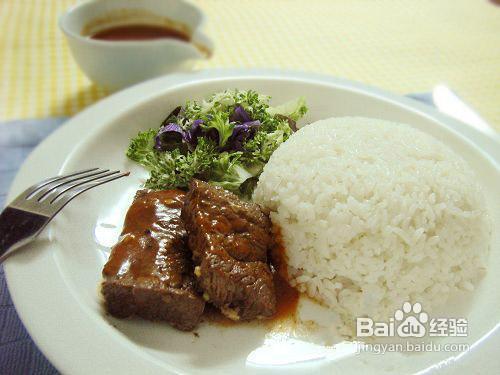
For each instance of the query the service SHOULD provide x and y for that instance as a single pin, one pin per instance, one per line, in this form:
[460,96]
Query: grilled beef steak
[149,272]
[229,239]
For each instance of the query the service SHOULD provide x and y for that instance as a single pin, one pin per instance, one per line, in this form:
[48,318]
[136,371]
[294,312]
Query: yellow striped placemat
[400,45]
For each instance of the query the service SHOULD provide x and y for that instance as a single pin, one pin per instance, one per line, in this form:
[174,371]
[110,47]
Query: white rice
[374,214]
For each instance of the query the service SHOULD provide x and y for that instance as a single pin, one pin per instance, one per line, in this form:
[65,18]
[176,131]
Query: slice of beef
[229,239]
[149,272]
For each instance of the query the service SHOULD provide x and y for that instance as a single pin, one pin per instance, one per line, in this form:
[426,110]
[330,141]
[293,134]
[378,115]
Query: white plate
[54,282]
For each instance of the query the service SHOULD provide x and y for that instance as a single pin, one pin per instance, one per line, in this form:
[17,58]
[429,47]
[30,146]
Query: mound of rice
[373,214]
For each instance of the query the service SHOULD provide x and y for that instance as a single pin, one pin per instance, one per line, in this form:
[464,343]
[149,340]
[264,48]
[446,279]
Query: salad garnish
[225,140]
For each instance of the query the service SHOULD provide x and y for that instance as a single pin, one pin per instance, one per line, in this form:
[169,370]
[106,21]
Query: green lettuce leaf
[295,109]
[220,122]
[237,171]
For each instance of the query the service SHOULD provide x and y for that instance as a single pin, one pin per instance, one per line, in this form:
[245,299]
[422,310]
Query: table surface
[400,45]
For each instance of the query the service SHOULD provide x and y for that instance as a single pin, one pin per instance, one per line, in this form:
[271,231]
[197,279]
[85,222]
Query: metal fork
[23,220]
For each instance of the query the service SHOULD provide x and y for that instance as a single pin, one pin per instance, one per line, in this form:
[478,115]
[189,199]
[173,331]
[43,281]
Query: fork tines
[61,189]
[24,218]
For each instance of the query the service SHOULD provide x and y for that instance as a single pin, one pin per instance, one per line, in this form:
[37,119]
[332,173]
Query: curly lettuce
[225,140]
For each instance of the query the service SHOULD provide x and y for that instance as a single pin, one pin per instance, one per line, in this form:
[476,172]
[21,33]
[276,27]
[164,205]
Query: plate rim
[80,127]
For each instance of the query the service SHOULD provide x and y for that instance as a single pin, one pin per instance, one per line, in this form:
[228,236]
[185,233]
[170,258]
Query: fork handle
[17,228]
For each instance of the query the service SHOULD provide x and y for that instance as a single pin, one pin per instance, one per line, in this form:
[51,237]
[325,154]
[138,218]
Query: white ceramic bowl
[119,64]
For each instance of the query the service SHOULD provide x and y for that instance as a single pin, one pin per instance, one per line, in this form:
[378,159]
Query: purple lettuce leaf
[241,134]
[191,135]
[239,115]
[169,137]
[212,134]
[172,117]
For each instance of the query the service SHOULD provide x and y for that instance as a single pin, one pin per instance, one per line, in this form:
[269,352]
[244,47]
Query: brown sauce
[287,297]
[140,32]
[152,227]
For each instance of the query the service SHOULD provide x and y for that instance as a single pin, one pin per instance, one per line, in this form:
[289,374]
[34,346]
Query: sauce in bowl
[139,32]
